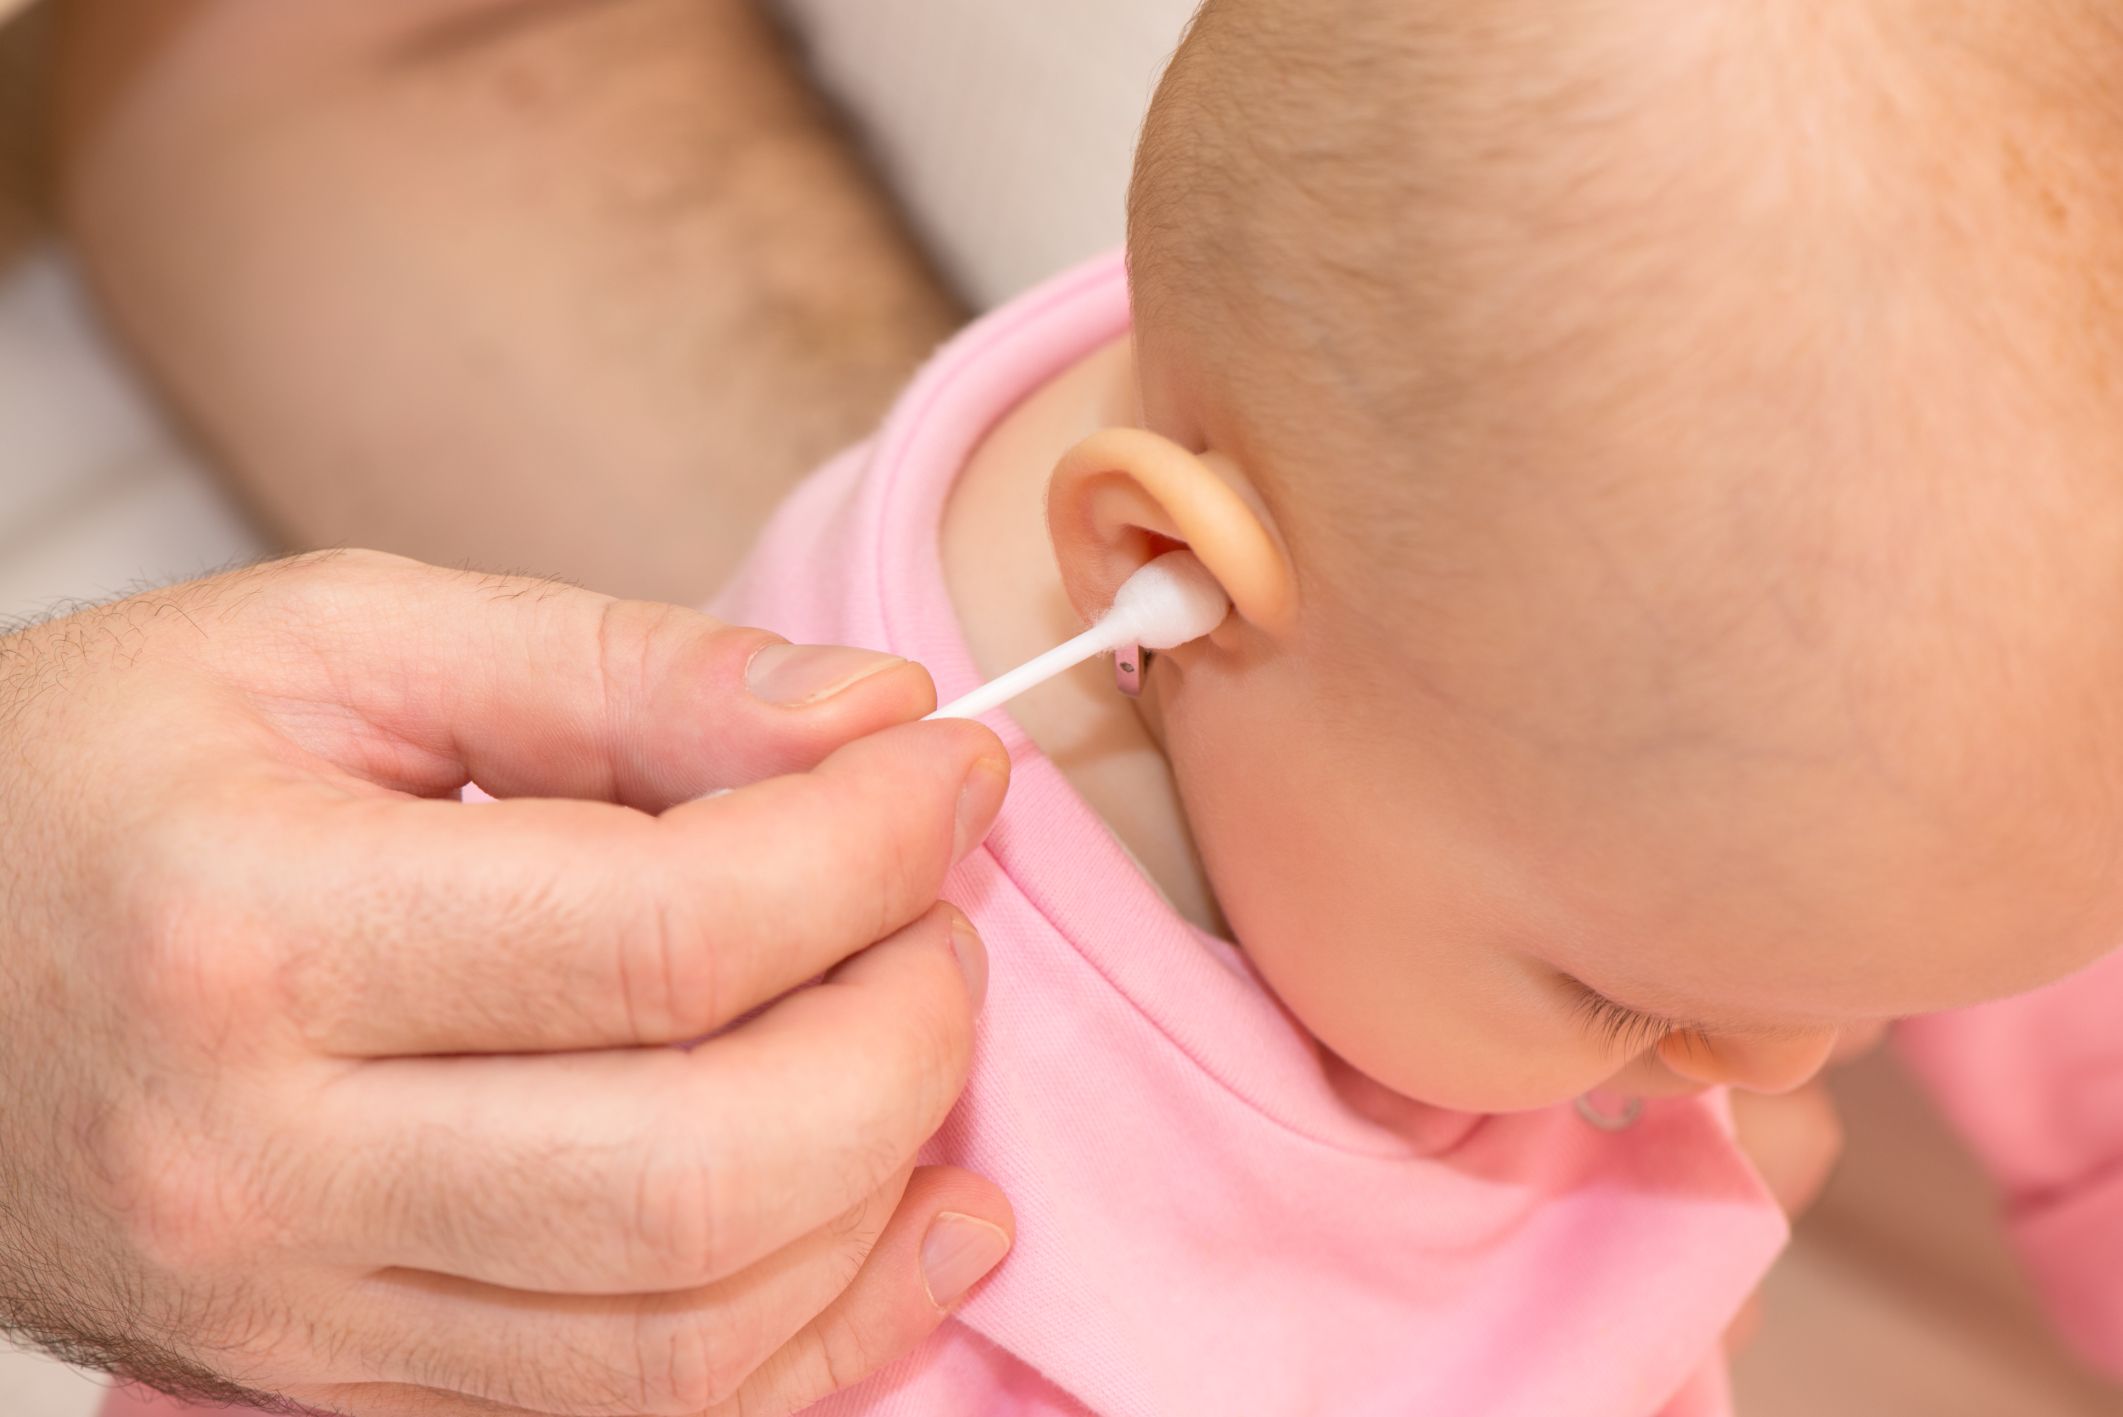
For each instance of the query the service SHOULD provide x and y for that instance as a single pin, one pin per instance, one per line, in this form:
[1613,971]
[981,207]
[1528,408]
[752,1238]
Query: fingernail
[793,676]
[972,958]
[956,1253]
[979,799]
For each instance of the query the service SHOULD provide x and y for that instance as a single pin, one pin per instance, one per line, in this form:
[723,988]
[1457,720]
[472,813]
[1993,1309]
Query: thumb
[951,1229]
[535,688]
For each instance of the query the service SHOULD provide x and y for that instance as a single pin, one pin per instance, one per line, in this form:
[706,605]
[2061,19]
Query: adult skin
[568,286]
[322,1084]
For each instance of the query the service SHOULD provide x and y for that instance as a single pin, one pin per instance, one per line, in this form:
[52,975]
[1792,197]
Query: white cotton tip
[1172,600]
[1168,602]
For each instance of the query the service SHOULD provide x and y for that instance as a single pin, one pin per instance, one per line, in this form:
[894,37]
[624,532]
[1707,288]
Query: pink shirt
[2035,1085]
[1206,1225]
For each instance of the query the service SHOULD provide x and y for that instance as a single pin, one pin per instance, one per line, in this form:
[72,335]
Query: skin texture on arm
[578,288]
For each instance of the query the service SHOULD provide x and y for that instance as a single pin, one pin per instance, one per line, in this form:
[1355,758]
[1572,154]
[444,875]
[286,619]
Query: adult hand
[321,1084]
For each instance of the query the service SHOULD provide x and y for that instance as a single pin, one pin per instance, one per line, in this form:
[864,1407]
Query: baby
[1665,485]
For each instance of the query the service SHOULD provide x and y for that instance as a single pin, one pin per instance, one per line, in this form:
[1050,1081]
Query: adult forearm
[570,287]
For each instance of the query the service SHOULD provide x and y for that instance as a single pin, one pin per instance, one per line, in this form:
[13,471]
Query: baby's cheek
[1425,1025]
[1372,909]
[1455,1062]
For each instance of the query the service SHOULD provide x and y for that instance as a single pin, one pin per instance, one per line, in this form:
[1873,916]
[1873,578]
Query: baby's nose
[1769,1065]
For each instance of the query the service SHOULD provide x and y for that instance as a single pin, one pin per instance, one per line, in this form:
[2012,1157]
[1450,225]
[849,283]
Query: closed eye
[1619,1028]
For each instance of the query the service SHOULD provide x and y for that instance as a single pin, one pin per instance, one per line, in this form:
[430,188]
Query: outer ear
[1124,496]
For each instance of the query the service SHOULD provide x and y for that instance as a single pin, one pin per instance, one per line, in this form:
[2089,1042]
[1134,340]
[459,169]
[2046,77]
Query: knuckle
[854,1233]
[627,635]
[855,1229]
[803,1375]
[629,644]
[342,564]
[667,979]
[280,607]
[313,986]
[865,1160]
[675,1227]
[187,962]
[178,1211]
[691,1362]
[851,1347]
[316,583]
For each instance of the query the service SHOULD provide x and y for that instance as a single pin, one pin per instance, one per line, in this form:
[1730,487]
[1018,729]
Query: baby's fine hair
[1406,249]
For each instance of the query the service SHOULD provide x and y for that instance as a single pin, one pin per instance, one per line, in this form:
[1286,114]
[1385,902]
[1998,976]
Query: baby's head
[1668,467]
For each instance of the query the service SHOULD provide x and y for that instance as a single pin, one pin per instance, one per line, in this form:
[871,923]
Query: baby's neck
[999,566]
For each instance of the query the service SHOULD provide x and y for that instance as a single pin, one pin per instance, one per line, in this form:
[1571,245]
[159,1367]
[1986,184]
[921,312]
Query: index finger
[537,924]
[535,689]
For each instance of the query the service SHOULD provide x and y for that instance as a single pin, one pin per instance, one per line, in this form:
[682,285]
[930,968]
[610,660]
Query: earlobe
[1124,496]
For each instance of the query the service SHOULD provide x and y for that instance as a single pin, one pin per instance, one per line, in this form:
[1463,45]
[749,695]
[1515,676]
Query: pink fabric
[2035,1084]
[1206,1222]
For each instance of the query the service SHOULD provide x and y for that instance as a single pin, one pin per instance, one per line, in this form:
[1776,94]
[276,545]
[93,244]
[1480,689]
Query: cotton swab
[1170,601]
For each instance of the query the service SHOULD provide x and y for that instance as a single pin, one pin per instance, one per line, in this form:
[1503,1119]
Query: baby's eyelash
[1620,1029]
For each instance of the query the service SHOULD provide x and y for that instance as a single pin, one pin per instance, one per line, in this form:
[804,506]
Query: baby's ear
[1124,496]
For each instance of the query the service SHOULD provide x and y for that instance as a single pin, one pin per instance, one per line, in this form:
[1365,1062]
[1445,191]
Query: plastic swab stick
[1168,602]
